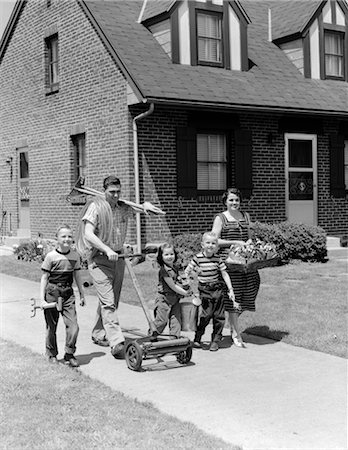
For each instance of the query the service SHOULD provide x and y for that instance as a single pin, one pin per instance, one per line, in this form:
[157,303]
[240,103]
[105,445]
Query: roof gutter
[136,170]
[245,108]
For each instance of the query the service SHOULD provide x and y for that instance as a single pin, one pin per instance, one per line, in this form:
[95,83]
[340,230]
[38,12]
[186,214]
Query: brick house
[180,99]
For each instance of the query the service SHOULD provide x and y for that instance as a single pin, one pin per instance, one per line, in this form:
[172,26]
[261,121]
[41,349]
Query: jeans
[69,317]
[107,278]
[212,308]
[167,314]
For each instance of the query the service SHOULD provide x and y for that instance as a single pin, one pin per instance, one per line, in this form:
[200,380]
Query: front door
[23,189]
[301,178]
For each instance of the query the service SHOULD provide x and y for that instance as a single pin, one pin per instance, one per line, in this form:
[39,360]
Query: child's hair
[61,227]
[209,234]
[160,252]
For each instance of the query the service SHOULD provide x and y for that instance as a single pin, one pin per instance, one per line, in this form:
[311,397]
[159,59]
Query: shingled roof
[292,17]
[273,83]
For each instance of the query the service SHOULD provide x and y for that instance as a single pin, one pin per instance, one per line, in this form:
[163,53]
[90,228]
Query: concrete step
[332,242]
[9,241]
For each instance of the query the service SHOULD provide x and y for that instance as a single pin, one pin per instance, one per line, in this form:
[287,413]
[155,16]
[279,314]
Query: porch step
[332,242]
[9,241]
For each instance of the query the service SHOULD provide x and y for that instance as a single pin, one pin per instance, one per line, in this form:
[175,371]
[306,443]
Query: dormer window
[334,54]
[204,33]
[209,38]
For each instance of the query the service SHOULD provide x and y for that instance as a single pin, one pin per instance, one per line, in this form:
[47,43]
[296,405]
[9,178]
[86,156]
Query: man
[105,233]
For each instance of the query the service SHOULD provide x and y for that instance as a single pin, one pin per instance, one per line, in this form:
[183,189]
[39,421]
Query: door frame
[309,137]
[21,225]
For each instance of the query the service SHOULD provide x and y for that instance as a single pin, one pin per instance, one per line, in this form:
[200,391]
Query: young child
[60,267]
[209,269]
[167,307]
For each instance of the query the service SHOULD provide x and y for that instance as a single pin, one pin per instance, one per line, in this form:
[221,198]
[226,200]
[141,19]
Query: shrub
[294,241]
[34,250]
[344,241]
[187,245]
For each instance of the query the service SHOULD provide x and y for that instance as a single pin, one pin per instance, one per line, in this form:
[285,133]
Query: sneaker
[70,360]
[214,347]
[53,360]
[196,344]
[117,351]
[102,342]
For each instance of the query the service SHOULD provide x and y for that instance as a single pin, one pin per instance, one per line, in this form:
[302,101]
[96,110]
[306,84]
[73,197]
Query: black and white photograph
[174,224]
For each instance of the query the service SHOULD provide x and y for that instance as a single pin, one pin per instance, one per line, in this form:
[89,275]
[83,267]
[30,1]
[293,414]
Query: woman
[233,227]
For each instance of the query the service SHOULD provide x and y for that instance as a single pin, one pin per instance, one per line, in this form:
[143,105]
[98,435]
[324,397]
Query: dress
[245,285]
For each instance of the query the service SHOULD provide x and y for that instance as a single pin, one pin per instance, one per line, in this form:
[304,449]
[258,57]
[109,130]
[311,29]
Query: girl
[167,306]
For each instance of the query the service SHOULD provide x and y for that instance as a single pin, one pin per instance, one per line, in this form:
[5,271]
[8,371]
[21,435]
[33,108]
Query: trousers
[167,314]
[107,278]
[68,313]
[212,308]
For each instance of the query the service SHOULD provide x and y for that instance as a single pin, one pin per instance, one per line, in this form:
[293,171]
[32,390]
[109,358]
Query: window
[209,38]
[211,162]
[52,61]
[79,145]
[334,51]
[346,164]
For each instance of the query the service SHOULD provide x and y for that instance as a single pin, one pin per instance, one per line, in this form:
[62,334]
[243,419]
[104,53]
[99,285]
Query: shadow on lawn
[263,331]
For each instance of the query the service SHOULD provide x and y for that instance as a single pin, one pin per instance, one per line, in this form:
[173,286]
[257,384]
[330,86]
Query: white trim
[314,169]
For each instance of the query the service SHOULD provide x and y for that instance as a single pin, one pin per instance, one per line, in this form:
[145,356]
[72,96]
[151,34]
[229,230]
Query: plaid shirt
[120,216]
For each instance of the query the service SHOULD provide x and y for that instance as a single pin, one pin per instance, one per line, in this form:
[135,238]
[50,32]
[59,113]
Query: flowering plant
[251,251]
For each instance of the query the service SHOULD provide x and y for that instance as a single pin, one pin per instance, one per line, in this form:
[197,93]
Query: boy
[60,267]
[209,267]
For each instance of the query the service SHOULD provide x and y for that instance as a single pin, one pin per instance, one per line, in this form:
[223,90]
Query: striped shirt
[61,266]
[120,216]
[208,269]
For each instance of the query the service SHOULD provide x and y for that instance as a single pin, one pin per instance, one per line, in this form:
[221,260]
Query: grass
[302,304]
[45,406]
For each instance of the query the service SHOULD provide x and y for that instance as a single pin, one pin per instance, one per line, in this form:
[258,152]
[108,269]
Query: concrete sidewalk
[268,396]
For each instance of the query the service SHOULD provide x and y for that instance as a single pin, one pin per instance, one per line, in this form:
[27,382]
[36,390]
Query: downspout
[136,170]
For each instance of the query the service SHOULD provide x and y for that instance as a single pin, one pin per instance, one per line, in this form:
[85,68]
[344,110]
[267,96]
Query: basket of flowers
[252,256]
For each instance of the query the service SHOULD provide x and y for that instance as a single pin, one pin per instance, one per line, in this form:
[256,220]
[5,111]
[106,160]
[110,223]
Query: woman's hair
[160,252]
[229,191]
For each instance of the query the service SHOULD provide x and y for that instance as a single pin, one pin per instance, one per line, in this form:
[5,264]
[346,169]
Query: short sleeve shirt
[61,266]
[120,216]
[208,269]
[163,288]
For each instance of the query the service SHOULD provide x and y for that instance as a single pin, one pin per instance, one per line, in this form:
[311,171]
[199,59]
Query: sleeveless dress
[245,285]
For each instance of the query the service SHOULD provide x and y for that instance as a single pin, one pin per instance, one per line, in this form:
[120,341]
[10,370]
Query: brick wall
[92,98]
[267,204]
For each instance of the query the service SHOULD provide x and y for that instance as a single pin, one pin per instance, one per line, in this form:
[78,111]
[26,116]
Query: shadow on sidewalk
[257,335]
[86,359]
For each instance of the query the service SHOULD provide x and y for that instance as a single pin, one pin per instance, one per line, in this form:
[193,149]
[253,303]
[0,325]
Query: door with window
[23,189]
[301,178]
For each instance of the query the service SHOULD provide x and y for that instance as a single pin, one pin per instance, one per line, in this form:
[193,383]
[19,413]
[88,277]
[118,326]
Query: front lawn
[303,304]
[45,406]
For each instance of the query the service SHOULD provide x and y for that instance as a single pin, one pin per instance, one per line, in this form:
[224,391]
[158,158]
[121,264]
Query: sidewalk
[268,396]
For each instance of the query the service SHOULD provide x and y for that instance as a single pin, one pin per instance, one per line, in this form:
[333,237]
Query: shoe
[214,347]
[196,344]
[53,360]
[70,360]
[117,351]
[102,342]
[238,342]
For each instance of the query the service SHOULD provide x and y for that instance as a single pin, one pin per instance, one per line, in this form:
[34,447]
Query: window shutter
[186,162]
[243,165]
[337,185]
